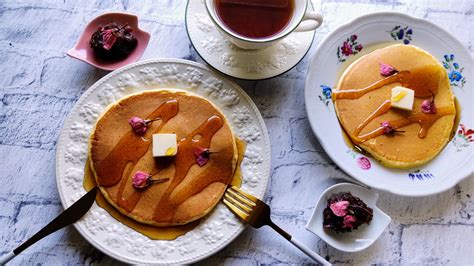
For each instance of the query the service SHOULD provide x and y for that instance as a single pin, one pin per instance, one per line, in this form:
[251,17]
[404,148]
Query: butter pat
[164,145]
[402,98]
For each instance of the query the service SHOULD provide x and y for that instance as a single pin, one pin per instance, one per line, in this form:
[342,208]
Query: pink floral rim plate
[83,52]
[359,37]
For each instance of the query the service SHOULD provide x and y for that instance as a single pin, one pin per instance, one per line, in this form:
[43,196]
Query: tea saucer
[227,58]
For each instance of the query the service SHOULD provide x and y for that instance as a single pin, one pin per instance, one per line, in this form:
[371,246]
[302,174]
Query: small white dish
[356,240]
[231,60]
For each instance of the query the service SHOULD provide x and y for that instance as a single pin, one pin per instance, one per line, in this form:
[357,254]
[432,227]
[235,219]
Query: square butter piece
[164,145]
[402,98]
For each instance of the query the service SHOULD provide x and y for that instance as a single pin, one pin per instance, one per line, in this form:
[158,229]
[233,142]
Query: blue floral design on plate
[420,175]
[400,33]
[454,71]
[326,95]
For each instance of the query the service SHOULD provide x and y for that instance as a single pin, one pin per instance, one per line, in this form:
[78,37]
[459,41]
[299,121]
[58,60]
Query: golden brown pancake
[421,141]
[116,153]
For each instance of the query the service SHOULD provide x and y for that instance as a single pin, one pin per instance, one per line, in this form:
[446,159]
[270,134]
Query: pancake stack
[420,136]
[192,191]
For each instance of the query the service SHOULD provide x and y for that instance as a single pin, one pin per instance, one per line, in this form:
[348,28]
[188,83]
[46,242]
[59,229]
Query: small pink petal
[138,125]
[428,107]
[202,155]
[387,128]
[387,70]
[201,161]
[348,221]
[339,208]
[108,39]
[141,179]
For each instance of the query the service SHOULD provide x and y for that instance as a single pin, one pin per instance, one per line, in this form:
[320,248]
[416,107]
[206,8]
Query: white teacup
[301,20]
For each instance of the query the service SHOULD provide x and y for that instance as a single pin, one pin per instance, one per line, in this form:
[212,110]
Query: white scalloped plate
[217,229]
[377,29]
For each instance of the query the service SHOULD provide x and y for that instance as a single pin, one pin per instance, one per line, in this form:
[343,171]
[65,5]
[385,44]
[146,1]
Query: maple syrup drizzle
[424,81]
[154,232]
[382,109]
[184,160]
[424,120]
[131,148]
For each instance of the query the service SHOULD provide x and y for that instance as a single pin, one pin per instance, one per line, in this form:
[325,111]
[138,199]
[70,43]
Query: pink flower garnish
[138,125]
[108,39]
[387,70]
[201,161]
[141,179]
[428,107]
[339,208]
[387,128]
[349,220]
[202,156]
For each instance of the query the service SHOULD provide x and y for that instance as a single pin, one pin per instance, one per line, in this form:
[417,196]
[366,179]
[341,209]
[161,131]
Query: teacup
[301,20]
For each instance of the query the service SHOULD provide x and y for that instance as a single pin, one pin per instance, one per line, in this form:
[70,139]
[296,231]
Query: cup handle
[314,21]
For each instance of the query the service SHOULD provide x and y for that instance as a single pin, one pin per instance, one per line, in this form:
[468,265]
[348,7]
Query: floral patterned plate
[359,37]
[218,228]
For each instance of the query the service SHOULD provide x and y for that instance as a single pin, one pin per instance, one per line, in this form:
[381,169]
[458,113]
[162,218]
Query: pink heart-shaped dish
[84,52]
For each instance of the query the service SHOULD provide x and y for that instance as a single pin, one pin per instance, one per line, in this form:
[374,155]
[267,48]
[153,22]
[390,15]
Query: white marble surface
[39,84]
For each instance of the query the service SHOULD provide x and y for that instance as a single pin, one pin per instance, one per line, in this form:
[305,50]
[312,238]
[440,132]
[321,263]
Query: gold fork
[257,213]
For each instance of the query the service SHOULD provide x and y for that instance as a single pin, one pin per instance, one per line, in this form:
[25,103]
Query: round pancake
[402,150]
[116,153]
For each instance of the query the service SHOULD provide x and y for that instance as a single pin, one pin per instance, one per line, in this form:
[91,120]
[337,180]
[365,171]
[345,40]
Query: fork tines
[257,213]
[240,202]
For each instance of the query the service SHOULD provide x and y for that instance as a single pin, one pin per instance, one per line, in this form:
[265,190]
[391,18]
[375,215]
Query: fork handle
[309,252]
[6,258]
[299,245]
